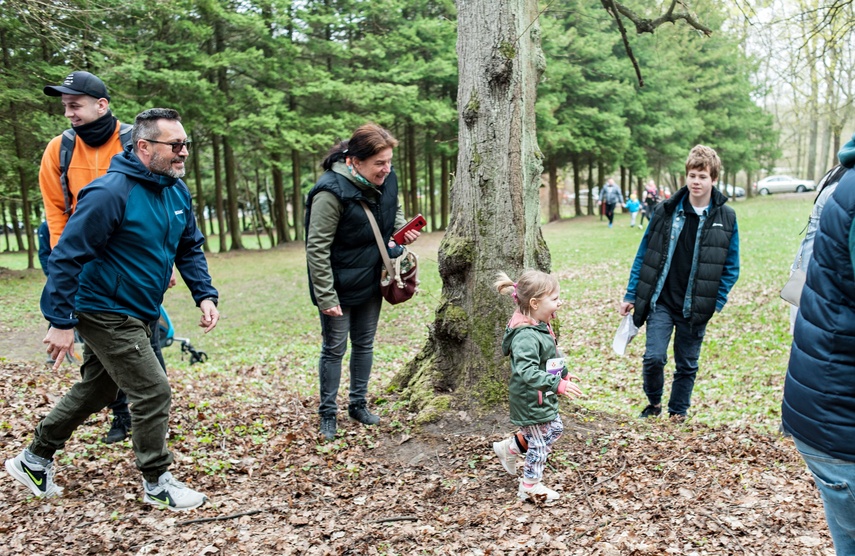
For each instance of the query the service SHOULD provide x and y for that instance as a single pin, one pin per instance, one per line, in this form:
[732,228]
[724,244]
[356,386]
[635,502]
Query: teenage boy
[686,265]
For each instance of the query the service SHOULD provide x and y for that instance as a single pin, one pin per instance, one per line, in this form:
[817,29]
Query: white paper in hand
[625,333]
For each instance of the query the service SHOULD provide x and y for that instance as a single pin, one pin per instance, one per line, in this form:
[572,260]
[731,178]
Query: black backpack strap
[66,148]
[125,131]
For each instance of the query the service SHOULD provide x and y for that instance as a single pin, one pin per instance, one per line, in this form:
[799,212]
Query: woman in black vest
[344,262]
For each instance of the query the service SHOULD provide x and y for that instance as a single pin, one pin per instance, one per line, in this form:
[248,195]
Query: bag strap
[390,270]
[66,147]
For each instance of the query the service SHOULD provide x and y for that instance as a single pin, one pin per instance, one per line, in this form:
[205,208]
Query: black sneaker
[328,426]
[651,411]
[119,430]
[358,412]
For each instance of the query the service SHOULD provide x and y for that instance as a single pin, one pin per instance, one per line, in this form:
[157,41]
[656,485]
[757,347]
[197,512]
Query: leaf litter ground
[627,487]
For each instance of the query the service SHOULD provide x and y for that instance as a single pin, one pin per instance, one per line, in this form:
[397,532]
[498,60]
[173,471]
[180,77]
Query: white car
[783,184]
[731,190]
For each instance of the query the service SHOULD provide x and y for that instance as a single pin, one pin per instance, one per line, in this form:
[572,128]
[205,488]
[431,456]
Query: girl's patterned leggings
[540,439]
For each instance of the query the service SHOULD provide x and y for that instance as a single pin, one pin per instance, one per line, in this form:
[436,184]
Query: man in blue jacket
[684,269]
[106,277]
[819,391]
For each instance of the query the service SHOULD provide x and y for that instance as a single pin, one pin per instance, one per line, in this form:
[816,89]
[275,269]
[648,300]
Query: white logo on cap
[69,80]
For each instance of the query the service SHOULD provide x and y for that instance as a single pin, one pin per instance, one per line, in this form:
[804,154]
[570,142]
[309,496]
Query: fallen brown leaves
[628,487]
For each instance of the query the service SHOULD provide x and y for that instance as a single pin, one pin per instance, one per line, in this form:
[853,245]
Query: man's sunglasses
[176,147]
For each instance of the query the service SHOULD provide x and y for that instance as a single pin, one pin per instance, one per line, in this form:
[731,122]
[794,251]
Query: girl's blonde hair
[533,284]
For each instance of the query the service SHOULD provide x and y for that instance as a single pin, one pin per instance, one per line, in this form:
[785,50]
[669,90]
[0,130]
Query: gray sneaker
[172,494]
[38,478]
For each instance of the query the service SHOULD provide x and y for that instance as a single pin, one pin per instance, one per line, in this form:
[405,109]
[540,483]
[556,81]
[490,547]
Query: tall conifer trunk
[495,224]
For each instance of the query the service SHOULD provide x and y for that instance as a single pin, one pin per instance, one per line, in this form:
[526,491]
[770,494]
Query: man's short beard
[163,167]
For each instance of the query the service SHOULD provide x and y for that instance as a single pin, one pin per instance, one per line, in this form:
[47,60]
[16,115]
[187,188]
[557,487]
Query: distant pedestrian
[685,267]
[633,206]
[649,199]
[610,197]
[538,376]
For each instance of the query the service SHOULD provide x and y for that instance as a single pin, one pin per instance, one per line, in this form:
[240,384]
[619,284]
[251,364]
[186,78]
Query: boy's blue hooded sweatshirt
[117,250]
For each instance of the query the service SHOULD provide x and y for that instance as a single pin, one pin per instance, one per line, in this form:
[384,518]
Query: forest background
[265,88]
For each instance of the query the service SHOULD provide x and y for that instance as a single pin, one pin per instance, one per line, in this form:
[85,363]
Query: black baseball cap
[79,83]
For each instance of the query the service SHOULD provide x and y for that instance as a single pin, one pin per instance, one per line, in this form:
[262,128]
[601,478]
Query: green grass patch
[269,334]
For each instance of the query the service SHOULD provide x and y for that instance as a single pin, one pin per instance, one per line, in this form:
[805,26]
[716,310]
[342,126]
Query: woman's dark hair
[368,140]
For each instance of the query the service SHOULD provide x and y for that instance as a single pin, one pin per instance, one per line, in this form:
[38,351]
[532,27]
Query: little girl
[538,376]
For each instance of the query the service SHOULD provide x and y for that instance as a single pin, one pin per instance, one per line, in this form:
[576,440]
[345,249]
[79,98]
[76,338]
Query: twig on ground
[729,532]
[673,465]
[396,518]
[219,517]
[585,492]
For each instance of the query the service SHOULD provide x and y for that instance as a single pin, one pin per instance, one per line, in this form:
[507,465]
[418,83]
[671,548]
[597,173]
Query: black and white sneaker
[38,478]
[172,494]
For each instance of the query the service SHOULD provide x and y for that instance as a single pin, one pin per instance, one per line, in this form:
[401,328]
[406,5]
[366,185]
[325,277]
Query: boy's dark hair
[145,124]
[704,158]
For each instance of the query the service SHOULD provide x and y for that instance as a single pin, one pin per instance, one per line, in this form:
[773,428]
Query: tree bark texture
[494,222]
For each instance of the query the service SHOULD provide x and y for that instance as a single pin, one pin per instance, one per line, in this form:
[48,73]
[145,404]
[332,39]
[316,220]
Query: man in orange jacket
[87,107]
[98,139]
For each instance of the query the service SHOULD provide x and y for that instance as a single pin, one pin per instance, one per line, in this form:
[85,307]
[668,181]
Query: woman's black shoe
[358,412]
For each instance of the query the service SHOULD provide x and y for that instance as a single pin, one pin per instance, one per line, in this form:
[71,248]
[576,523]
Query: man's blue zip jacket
[117,250]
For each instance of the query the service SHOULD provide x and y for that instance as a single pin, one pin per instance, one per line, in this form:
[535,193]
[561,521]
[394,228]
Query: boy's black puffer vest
[354,256]
[711,255]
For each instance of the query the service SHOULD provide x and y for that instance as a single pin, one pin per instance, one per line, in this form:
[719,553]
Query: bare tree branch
[645,25]
[610,6]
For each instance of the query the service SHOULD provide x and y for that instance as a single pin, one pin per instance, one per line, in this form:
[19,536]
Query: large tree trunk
[495,209]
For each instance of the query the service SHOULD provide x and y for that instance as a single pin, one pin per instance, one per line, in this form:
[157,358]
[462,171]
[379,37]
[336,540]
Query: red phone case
[416,223]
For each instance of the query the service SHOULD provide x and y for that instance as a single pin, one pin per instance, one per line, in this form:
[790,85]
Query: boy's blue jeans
[360,323]
[834,478]
[687,349]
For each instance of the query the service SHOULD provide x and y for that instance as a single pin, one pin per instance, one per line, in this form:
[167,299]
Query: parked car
[783,184]
[569,197]
[731,190]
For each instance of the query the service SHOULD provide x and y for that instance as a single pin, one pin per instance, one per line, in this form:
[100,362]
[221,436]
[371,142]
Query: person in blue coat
[106,277]
[818,408]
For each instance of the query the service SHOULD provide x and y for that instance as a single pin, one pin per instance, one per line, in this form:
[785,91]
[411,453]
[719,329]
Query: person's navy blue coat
[819,390]
[118,248]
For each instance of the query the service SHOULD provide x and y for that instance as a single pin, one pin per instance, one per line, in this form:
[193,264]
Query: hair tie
[516,299]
